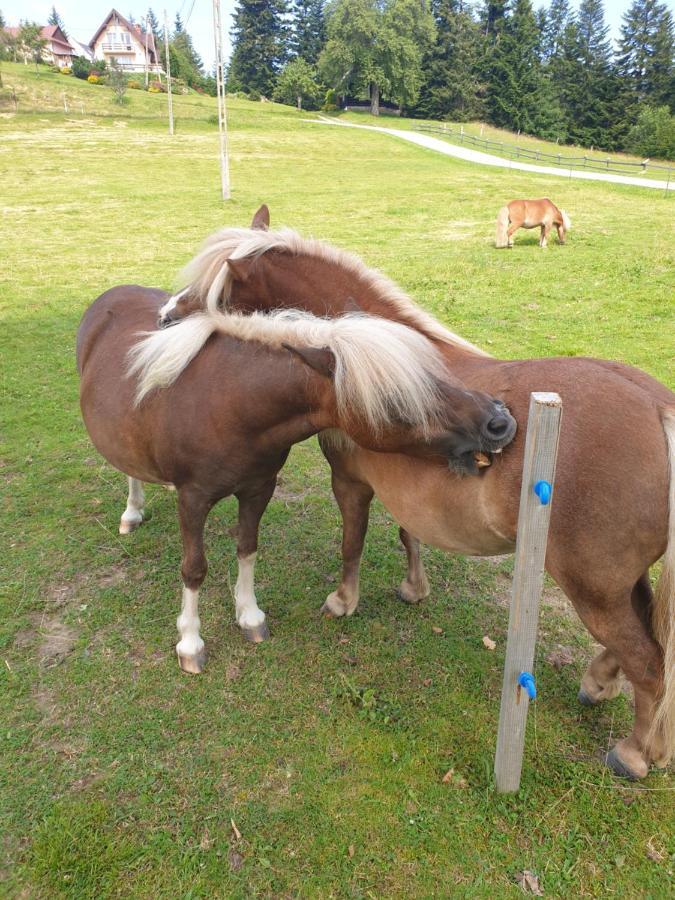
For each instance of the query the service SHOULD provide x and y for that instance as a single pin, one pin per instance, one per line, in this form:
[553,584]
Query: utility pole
[146,53]
[168,70]
[220,91]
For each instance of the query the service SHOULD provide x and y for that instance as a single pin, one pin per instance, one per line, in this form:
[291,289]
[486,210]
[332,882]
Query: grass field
[312,765]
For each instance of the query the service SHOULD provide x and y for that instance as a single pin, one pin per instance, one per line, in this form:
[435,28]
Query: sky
[83,18]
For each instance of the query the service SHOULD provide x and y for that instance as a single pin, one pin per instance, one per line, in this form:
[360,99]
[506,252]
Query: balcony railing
[118,48]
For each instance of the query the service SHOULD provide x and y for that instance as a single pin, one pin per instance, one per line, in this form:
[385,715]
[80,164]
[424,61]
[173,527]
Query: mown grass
[327,745]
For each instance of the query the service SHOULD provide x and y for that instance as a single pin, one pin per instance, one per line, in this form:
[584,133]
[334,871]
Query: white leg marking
[247,612]
[133,514]
[190,643]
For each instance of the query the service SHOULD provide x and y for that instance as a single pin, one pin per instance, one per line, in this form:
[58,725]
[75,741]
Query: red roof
[50,33]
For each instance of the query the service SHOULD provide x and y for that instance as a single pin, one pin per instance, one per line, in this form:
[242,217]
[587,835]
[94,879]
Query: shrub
[81,67]
[653,134]
[134,85]
[157,87]
[95,79]
[65,70]
[330,100]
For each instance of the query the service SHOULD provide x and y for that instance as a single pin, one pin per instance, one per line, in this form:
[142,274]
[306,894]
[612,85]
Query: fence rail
[513,151]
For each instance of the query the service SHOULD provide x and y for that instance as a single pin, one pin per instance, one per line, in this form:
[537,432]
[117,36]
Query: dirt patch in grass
[57,641]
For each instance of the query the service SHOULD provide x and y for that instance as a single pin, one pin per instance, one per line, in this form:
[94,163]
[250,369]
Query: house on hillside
[57,49]
[80,49]
[133,48]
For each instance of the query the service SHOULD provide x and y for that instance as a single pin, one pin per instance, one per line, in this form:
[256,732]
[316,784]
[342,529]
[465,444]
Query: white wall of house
[119,43]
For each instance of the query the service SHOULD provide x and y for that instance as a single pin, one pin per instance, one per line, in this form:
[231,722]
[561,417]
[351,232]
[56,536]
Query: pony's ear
[240,269]
[261,220]
[320,359]
[351,306]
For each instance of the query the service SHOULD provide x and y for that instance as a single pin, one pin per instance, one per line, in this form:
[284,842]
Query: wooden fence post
[541,449]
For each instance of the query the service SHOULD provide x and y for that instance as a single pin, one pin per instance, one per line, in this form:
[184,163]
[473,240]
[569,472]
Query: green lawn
[326,747]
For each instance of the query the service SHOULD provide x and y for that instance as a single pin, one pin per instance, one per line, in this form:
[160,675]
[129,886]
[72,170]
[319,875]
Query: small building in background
[133,48]
[57,51]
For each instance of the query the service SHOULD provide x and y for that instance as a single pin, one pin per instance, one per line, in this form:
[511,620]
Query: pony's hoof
[407,595]
[194,664]
[586,699]
[257,634]
[634,771]
[128,527]
[335,607]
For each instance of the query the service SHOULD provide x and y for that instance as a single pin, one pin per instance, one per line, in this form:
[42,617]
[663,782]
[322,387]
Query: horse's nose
[498,427]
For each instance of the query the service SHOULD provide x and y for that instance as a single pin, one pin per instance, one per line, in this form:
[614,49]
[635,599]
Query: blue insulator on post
[543,490]
[526,681]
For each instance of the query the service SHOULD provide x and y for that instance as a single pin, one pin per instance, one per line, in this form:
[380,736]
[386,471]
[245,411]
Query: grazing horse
[213,406]
[614,510]
[529,214]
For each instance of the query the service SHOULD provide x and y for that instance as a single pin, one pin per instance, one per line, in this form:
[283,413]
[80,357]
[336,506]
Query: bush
[65,70]
[134,85]
[81,67]
[330,101]
[653,134]
[94,79]
[156,87]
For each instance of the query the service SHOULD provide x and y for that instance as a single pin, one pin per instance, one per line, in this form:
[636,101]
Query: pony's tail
[502,236]
[567,222]
[663,619]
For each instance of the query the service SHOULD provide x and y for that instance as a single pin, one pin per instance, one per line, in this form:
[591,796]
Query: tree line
[551,72]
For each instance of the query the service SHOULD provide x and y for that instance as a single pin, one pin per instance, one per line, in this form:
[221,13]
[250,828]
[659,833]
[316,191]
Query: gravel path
[486,159]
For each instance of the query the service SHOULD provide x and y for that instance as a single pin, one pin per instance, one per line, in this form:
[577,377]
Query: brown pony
[529,214]
[613,514]
[213,406]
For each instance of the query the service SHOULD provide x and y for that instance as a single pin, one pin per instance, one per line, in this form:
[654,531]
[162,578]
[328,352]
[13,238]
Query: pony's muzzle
[499,430]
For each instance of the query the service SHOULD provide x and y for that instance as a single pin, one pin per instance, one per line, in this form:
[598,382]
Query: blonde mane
[385,372]
[208,276]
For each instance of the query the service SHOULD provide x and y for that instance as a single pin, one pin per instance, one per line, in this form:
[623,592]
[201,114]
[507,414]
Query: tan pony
[613,513]
[530,214]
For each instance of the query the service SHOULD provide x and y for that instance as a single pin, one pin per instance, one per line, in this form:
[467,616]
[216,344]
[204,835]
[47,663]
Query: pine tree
[492,18]
[189,63]
[588,81]
[645,58]
[153,25]
[178,24]
[308,34]
[258,49]
[55,19]
[3,24]
[556,21]
[452,87]
[519,94]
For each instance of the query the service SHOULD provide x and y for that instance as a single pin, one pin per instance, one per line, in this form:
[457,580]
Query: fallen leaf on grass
[235,831]
[351,851]
[488,642]
[451,777]
[427,682]
[206,841]
[529,882]
[560,657]
[436,629]
[236,860]
[656,854]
